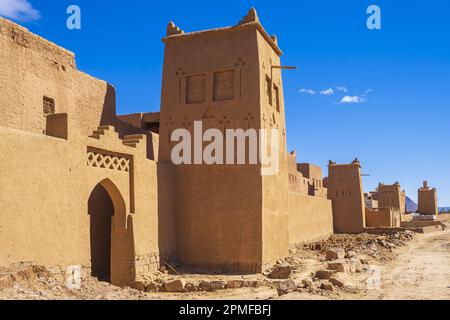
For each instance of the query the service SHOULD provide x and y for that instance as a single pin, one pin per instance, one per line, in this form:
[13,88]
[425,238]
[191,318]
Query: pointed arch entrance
[111,235]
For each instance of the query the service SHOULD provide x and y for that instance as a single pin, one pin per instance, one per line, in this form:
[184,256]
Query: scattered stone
[174,286]
[327,286]
[381,242]
[282,271]
[318,247]
[6,282]
[390,245]
[151,287]
[355,265]
[190,287]
[363,259]
[54,270]
[409,233]
[338,265]
[324,274]
[139,285]
[234,284]
[205,286]
[294,261]
[286,286]
[351,254]
[337,281]
[218,285]
[335,254]
[309,284]
[250,284]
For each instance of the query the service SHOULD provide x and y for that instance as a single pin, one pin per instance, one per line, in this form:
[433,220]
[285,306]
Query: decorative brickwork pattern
[98,160]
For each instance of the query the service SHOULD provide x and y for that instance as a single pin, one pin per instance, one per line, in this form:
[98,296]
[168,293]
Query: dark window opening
[48,106]
[269,90]
[277,97]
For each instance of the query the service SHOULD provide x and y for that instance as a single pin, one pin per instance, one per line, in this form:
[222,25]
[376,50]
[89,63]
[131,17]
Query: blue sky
[400,75]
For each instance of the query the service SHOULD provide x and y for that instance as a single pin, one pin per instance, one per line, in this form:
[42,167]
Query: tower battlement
[250,21]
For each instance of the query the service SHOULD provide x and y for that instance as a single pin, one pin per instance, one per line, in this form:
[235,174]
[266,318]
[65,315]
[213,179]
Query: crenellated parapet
[252,16]
[172,29]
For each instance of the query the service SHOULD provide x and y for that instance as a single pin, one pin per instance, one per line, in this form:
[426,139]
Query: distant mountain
[411,206]
[444,209]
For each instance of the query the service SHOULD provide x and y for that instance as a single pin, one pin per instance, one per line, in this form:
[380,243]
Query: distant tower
[345,191]
[226,214]
[428,204]
[392,196]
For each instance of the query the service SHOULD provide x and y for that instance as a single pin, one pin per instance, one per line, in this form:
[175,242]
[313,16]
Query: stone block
[338,265]
[324,274]
[282,271]
[174,286]
[335,254]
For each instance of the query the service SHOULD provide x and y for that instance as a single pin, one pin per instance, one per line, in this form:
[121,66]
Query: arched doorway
[111,236]
[101,210]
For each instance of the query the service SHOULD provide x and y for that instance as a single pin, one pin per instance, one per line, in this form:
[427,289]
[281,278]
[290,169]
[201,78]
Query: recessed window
[276,90]
[224,85]
[268,90]
[196,89]
[48,106]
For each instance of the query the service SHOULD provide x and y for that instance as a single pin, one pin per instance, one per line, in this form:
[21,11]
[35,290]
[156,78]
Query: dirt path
[421,271]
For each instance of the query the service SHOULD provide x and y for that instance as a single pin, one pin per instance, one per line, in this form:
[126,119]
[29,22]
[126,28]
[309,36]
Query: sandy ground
[421,271]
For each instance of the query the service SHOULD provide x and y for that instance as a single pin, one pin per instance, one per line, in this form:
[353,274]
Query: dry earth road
[421,271]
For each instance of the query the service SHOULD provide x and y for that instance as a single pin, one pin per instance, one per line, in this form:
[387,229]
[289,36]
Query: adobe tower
[227,78]
[391,196]
[428,200]
[345,190]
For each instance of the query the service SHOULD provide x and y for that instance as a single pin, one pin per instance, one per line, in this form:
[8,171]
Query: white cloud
[21,10]
[307,91]
[327,92]
[342,89]
[367,92]
[353,99]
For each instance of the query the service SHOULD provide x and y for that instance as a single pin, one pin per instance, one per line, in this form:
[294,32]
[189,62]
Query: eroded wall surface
[33,68]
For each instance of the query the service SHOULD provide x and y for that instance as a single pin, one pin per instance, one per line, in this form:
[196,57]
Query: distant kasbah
[84,186]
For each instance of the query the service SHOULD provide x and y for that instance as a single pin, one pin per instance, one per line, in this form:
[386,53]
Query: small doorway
[101,210]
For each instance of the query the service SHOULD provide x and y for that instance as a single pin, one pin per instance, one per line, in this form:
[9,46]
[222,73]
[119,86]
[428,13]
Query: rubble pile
[28,281]
[378,247]
[180,284]
[328,267]
[344,257]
